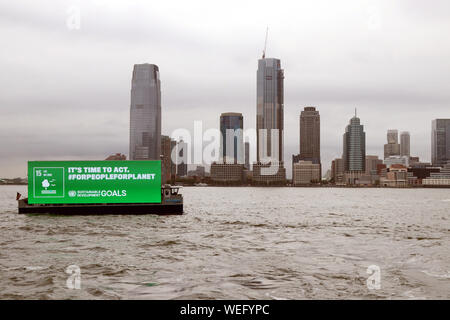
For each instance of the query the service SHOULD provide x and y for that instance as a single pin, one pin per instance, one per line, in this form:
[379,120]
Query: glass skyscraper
[440,142]
[354,153]
[145,113]
[233,123]
[270,106]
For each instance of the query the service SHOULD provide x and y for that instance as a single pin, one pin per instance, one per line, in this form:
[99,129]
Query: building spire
[265,43]
[355,112]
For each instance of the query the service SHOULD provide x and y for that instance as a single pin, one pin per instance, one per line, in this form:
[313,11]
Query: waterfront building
[227,173]
[145,113]
[396,176]
[198,172]
[305,172]
[371,168]
[392,148]
[354,150]
[441,178]
[201,171]
[231,129]
[440,142]
[381,170]
[273,173]
[295,158]
[337,171]
[371,164]
[405,144]
[422,173]
[357,178]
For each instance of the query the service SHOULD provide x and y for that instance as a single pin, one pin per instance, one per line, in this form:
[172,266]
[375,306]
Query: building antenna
[265,43]
[355,112]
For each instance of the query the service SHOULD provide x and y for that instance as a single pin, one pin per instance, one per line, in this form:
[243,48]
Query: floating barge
[171,204]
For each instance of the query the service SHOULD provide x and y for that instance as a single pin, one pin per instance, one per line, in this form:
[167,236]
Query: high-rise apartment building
[145,113]
[440,142]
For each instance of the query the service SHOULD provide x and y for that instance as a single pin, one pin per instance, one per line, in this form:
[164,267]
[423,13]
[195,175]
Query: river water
[237,243]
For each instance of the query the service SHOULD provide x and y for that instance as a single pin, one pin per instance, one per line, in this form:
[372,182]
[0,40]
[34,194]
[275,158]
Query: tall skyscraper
[354,153]
[270,107]
[310,135]
[232,123]
[392,148]
[145,113]
[269,122]
[440,142]
[405,144]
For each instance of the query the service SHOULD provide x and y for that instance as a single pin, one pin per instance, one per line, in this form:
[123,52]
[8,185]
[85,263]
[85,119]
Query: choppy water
[241,243]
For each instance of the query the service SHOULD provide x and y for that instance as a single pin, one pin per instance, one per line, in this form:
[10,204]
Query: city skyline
[86,115]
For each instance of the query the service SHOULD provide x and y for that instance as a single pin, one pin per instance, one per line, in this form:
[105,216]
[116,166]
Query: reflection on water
[242,243]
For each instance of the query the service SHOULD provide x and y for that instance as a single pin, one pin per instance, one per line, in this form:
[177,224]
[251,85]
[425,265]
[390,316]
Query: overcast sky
[65,92]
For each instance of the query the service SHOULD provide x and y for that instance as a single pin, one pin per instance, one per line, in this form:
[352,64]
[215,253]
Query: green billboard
[94,181]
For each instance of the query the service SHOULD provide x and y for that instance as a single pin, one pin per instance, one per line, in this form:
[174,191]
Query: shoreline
[325,186]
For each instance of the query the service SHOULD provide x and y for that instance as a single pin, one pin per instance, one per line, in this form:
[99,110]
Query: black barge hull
[98,209]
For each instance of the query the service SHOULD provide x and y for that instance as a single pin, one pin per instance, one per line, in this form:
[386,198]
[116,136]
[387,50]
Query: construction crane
[265,44]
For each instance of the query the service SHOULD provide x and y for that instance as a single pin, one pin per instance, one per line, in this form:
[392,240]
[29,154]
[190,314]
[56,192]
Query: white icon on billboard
[45,183]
